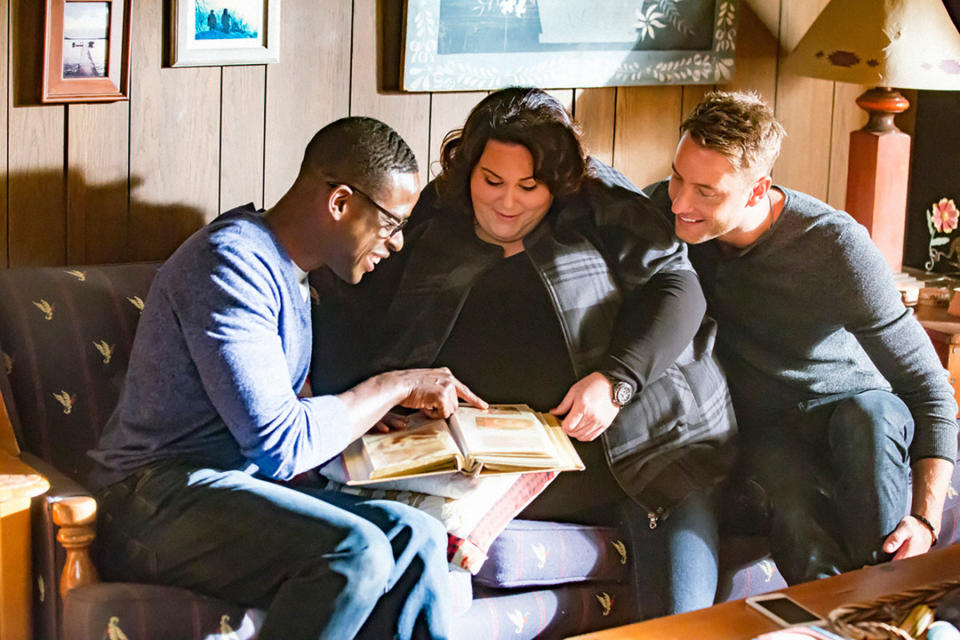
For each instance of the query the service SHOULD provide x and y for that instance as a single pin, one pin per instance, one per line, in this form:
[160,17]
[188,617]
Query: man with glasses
[209,419]
[394,223]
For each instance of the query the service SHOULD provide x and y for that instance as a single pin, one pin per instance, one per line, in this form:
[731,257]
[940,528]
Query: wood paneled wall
[96,183]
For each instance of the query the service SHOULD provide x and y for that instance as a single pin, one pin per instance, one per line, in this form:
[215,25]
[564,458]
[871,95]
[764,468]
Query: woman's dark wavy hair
[527,116]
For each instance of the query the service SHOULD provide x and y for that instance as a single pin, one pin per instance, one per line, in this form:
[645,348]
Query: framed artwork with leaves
[458,45]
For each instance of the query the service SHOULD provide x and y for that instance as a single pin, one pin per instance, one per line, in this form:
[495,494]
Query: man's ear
[759,190]
[336,202]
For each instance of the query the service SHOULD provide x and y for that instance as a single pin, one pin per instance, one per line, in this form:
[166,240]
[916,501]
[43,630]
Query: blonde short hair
[740,126]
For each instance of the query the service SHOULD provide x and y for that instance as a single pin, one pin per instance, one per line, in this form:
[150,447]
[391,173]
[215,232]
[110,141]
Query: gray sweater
[810,310]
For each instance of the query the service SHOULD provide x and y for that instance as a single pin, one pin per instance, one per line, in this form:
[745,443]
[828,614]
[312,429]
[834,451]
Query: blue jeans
[676,564]
[837,475]
[322,564]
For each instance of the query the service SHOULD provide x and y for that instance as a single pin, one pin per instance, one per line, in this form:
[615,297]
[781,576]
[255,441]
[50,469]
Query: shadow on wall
[83,222]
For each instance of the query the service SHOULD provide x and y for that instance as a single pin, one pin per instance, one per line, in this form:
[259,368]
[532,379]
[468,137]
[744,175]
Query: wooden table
[736,621]
[18,484]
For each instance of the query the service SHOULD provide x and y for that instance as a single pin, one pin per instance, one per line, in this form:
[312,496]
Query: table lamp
[908,44]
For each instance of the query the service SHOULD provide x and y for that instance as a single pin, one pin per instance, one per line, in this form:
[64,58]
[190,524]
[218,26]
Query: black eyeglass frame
[397,222]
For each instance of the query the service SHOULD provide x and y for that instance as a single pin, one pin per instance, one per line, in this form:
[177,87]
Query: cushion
[529,553]
[746,569]
[151,611]
[548,613]
[474,511]
[103,610]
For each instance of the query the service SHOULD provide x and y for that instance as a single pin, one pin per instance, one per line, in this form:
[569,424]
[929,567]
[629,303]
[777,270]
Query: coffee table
[734,620]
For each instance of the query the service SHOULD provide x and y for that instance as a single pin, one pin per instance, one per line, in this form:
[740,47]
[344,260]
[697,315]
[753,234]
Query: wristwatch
[621,392]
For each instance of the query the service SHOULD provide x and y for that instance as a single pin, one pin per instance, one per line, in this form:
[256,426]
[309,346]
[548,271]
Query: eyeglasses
[388,230]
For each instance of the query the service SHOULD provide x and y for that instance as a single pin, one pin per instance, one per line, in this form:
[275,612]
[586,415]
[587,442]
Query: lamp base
[877,173]
[882,104]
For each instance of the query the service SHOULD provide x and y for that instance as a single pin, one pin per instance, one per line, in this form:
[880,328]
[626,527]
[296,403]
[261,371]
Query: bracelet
[929,525]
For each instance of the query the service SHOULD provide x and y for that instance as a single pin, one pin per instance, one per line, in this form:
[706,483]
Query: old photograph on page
[421,447]
[508,429]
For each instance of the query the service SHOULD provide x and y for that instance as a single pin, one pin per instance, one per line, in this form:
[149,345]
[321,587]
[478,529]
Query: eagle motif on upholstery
[79,275]
[226,631]
[114,632]
[518,619]
[541,552]
[136,301]
[105,350]
[66,401]
[606,602]
[45,307]
[767,567]
[621,550]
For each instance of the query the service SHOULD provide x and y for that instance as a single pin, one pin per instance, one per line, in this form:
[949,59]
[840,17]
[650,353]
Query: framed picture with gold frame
[86,51]
[224,32]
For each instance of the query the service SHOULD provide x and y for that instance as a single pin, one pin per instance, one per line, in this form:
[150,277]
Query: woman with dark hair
[536,282]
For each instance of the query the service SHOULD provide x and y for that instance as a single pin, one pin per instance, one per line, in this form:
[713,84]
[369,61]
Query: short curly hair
[740,126]
[360,150]
[521,115]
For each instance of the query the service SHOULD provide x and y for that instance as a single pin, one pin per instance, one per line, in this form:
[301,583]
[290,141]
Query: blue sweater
[222,348]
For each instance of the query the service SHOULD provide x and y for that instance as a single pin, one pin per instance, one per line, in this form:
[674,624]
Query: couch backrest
[65,338]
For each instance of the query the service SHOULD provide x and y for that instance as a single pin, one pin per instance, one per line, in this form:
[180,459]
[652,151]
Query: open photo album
[505,438]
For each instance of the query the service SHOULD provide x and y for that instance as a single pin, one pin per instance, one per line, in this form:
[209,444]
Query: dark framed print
[221,32]
[468,45]
[86,51]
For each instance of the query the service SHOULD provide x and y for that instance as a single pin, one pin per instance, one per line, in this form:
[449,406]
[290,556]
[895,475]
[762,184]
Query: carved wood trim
[76,517]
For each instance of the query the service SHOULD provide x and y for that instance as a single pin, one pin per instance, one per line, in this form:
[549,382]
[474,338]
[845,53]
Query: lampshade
[909,44]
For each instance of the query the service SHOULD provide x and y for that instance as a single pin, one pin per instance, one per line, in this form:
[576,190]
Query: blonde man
[837,389]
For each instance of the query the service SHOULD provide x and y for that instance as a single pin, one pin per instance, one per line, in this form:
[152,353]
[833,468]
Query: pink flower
[945,215]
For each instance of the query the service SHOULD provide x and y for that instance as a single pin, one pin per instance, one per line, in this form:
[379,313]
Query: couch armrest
[76,516]
[69,513]
[51,561]
[60,483]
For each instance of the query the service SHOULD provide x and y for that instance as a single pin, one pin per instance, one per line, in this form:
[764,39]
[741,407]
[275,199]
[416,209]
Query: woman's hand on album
[589,408]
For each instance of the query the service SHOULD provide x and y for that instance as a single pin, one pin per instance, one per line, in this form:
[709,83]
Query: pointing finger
[471,398]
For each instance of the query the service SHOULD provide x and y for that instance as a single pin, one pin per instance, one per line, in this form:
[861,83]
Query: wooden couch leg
[76,517]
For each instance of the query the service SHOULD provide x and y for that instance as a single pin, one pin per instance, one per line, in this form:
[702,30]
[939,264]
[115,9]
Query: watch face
[622,393]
